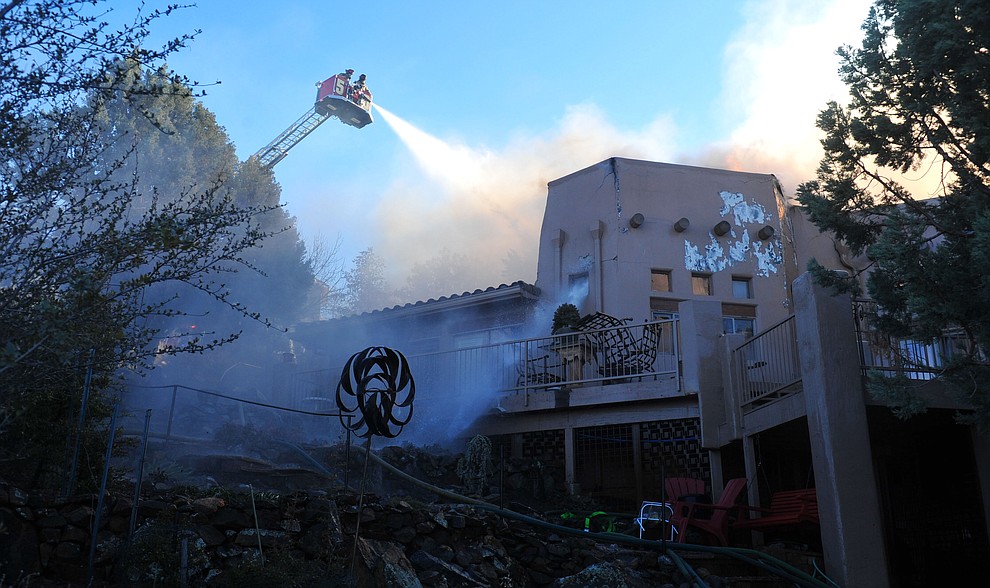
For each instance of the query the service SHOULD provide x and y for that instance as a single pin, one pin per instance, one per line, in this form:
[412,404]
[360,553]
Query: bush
[566,316]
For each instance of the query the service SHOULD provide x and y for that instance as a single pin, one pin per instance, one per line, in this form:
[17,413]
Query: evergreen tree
[172,145]
[95,238]
[366,286]
[919,107]
[442,275]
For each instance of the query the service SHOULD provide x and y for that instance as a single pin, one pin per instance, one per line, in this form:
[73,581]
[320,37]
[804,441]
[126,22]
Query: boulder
[383,563]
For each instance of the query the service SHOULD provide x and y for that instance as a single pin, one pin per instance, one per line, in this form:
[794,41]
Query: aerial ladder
[335,97]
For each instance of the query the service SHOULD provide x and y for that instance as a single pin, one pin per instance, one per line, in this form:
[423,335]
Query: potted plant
[567,342]
[565,319]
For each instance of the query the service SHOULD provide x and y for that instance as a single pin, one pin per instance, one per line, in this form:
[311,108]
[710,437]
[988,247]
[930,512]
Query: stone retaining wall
[417,544]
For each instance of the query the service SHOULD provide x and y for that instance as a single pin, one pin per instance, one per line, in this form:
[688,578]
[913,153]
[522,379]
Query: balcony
[625,363]
[892,356]
[767,367]
[589,367]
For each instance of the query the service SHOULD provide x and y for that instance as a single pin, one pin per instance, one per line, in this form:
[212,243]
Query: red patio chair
[687,515]
[677,488]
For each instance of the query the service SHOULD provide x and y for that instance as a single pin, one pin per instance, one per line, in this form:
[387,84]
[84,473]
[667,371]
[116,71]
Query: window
[660,281]
[667,332]
[920,357]
[578,288]
[417,346]
[738,324]
[742,288]
[472,339]
[663,308]
[701,284]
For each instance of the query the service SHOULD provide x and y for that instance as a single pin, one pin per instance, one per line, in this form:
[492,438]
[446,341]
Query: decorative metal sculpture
[377,383]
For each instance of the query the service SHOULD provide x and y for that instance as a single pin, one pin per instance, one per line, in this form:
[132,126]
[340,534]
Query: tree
[919,106]
[168,138]
[324,259]
[366,286]
[566,316]
[87,247]
[442,275]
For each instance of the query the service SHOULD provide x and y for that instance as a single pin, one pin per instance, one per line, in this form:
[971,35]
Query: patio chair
[622,352]
[656,516]
[688,515]
[539,371]
[679,488]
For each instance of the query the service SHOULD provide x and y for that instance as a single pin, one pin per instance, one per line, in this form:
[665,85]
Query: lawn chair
[656,516]
[687,515]
[679,488]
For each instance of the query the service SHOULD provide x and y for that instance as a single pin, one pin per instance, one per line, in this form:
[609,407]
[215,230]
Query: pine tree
[367,289]
[919,108]
[113,192]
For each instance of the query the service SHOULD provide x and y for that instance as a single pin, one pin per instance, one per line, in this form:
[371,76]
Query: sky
[482,104]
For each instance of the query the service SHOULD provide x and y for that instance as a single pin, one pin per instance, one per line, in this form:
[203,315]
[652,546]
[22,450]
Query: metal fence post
[74,465]
[103,489]
[140,475]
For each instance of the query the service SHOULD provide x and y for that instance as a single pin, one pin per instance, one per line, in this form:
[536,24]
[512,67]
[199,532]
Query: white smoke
[781,69]
[486,203]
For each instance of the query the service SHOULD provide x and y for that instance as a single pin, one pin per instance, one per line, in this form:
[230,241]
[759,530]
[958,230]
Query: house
[751,370]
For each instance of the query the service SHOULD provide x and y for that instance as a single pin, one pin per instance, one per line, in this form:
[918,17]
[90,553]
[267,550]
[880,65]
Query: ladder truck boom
[336,97]
[276,151]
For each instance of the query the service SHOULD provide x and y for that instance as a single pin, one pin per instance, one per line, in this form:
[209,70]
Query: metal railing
[637,352]
[894,356]
[192,414]
[767,366]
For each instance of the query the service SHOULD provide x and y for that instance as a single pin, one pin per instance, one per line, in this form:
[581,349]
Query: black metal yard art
[377,385]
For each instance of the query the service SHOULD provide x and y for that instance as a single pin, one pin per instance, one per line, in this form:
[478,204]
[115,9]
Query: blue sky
[500,98]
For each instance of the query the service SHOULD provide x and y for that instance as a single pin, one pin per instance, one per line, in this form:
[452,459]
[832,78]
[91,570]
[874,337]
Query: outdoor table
[574,351]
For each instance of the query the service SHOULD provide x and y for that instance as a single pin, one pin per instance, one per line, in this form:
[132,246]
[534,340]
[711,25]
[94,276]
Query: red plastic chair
[675,488]
[687,515]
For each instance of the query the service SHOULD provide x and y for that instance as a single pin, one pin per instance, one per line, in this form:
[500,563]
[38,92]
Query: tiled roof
[524,288]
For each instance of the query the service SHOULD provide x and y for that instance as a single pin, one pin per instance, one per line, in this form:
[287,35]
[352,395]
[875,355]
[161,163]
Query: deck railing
[767,366]
[634,352]
[891,356]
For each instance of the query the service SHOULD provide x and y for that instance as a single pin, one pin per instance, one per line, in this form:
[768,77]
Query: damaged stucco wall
[638,206]
[747,217]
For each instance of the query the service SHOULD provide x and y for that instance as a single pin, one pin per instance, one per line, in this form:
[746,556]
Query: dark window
[578,288]
[742,288]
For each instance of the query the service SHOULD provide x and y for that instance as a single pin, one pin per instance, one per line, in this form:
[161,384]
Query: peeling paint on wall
[743,212]
[739,249]
[768,258]
[717,257]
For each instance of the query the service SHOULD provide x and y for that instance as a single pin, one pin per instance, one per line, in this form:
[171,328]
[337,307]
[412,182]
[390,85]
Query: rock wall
[296,534]
[214,540]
